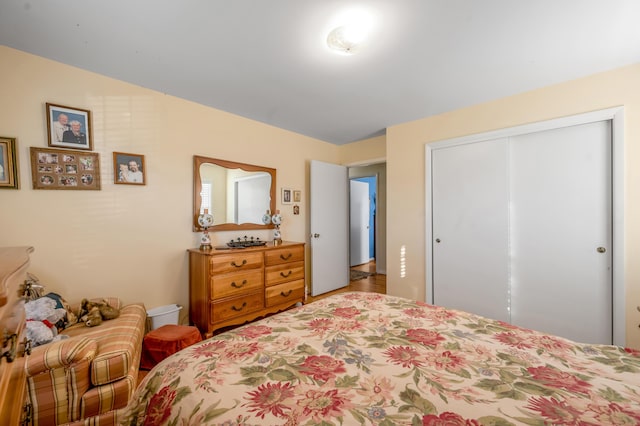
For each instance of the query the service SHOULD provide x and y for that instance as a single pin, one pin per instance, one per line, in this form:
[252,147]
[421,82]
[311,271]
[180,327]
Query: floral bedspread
[372,359]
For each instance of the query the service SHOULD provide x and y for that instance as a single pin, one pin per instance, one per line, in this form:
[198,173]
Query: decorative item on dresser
[14,262]
[234,286]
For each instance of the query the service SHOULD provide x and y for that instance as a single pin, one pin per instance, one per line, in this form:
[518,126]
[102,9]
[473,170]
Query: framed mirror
[236,194]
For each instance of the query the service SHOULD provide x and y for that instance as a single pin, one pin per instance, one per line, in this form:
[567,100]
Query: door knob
[601,249]
[316,235]
[437,240]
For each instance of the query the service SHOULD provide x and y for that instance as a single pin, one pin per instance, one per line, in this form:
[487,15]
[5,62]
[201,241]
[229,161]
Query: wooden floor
[376,283]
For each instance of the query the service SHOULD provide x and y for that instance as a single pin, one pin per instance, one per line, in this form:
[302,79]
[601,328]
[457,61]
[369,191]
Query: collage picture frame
[64,169]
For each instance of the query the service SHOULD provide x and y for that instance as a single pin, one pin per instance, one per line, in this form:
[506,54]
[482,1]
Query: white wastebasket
[168,314]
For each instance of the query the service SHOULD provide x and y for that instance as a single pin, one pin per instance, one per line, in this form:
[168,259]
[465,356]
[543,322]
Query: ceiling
[267,60]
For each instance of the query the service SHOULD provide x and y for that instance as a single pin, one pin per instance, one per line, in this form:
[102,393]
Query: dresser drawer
[236,261]
[288,292]
[238,306]
[284,255]
[236,283]
[282,273]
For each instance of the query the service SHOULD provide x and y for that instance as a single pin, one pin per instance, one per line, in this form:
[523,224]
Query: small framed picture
[69,127]
[129,169]
[8,164]
[297,196]
[286,196]
[63,169]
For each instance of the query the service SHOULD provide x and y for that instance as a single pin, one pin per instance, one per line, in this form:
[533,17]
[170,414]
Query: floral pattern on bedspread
[372,359]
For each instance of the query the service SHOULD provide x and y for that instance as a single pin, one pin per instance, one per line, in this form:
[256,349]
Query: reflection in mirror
[236,194]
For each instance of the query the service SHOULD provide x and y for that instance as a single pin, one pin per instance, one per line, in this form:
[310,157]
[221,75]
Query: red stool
[166,340]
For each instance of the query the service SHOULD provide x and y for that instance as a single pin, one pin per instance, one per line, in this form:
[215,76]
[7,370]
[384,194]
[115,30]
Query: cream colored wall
[130,241]
[406,181]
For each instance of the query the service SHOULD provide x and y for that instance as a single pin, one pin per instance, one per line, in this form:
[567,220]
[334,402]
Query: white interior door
[329,216]
[359,223]
[561,232]
[470,228]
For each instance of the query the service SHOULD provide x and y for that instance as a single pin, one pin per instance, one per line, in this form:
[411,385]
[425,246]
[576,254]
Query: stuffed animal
[42,315]
[92,313]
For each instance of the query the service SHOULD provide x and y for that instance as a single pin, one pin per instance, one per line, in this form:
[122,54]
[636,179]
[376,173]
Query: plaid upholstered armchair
[87,377]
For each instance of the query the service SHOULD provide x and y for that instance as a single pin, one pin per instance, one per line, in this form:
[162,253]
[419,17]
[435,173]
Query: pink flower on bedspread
[207,349]
[514,339]
[254,331]
[322,367]
[425,337]
[632,352]
[348,312]
[270,398]
[551,343]
[322,404]
[375,390]
[556,412]
[320,326]
[405,356]
[447,419]
[558,379]
[159,408]
[446,360]
[614,414]
[440,316]
[241,350]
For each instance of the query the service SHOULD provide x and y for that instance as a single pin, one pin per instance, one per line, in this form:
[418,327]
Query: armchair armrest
[58,374]
[61,354]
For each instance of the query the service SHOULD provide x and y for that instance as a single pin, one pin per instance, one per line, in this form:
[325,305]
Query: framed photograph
[69,127]
[286,196]
[9,177]
[64,169]
[129,169]
[297,196]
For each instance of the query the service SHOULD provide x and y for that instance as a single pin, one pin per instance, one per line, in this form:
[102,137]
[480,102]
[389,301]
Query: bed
[372,359]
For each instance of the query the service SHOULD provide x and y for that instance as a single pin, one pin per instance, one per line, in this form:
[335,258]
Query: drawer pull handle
[285,295]
[244,262]
[244,304]
[283,275]
[287,257]
[233,284]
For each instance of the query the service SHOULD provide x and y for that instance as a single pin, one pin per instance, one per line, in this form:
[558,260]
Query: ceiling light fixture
[349,36]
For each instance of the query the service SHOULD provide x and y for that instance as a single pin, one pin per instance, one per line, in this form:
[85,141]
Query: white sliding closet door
[560,220]
[470,222]
[522,229]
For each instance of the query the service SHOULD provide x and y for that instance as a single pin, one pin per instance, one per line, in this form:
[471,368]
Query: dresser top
[226,250]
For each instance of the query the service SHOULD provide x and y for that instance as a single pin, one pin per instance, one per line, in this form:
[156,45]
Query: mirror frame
[197,188]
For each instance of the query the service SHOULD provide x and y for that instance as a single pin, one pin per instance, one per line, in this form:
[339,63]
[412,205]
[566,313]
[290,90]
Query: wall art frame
[297,196]
[287,196]
[9,176]
[69,127]
[64,169]
[129,169]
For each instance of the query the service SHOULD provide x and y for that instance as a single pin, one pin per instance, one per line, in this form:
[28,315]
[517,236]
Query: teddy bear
[92,312]
[42,316]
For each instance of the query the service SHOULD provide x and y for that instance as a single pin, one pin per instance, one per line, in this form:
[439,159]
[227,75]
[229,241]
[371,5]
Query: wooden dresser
[14,262]
[230,287]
